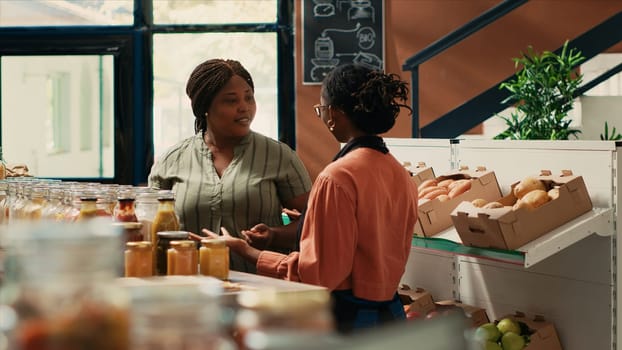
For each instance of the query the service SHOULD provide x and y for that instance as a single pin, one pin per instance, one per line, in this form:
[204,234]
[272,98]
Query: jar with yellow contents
[182,258]
[214,258]
[138,259]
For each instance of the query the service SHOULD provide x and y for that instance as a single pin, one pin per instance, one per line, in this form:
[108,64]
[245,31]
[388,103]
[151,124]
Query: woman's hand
[259,236]
[236,245]
[292,213]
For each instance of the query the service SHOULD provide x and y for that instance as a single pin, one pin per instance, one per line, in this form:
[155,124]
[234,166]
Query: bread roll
[479,202]
[527,185]
[492,205]
[535,199]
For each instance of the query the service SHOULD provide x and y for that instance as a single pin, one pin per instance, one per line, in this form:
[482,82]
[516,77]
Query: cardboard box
[505,228]
[476,315]
[418,299]
[420,172]
[543,334]
[435,216]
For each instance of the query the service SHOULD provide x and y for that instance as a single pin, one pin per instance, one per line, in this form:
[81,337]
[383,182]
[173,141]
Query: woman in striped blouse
[227,175]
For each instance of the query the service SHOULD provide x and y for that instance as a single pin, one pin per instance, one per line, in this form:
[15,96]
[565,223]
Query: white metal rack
[568,275]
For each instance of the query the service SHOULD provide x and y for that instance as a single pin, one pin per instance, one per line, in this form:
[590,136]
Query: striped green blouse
[263,173]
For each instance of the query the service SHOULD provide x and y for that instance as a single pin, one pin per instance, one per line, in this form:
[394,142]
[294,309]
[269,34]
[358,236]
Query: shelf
[598,220]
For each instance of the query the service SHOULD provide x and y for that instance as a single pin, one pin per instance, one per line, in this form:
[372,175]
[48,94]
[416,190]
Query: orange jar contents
[138,259]
[182,258]
[214,258]
[125,211]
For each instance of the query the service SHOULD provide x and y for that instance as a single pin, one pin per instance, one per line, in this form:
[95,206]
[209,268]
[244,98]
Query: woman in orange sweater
[356,232]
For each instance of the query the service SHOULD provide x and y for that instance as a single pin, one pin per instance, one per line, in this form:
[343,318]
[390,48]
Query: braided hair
[370,98]
[206,80]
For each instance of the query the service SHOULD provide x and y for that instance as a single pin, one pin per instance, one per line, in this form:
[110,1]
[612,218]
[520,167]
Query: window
[56,116]
[173,118]
[98,89]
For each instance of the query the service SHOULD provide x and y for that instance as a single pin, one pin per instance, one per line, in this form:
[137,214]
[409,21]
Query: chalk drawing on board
[340,31]
[323,8]
[365,59]
[361,9]
[324,60]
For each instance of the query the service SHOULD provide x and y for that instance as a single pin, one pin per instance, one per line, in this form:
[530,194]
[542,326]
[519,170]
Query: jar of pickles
[58,290]
[214,258]
[162,246]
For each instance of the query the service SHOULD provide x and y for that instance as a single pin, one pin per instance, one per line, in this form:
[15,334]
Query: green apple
[512,341]
[508,325]
[491,345]
[487,332]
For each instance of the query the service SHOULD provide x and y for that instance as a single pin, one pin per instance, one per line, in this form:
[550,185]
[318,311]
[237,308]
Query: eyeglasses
[318,109]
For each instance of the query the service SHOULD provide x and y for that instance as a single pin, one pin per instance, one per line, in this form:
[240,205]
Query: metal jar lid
[178,235]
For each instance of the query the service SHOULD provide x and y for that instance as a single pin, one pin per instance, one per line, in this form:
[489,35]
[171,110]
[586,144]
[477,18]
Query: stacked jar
[59,290]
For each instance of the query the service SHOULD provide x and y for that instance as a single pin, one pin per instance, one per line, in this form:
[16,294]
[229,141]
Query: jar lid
[139,244]
[214,243]
[173,234]
[183,244]
[131,225]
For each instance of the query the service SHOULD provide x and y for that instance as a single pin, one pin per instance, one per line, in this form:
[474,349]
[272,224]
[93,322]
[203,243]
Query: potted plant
[543,92]
[613,136]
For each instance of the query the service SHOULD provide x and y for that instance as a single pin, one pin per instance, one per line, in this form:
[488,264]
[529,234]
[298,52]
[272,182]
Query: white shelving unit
[569,275]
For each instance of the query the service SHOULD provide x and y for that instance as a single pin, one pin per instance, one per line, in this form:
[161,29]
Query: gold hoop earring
[206,114]
[331,125]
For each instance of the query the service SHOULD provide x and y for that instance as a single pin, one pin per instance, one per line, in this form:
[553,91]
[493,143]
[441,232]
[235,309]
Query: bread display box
[534,206]
[420,172]
[438,197]
[476,315]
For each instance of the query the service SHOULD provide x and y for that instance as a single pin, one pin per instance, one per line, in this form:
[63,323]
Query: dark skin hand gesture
[237,245]
[262,236]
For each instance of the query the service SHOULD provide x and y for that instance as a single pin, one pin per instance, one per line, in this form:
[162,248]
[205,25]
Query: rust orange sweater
[357,230]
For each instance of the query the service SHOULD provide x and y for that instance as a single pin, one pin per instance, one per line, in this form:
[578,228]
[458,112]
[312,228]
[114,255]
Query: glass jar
[214,258]
[271,312]
[138,259]
[166,317]
[59,290]
[34,204]
[165,218]
[146,206]
[88,208]
[54,207]
[163,244]
[125,210]
[4,202]
[3,166]
[132,231]
[182,258]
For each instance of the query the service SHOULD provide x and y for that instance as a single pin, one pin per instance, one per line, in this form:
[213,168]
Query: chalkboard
[341,31]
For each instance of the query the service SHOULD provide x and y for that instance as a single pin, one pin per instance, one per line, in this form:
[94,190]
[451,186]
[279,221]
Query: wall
[459,73]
